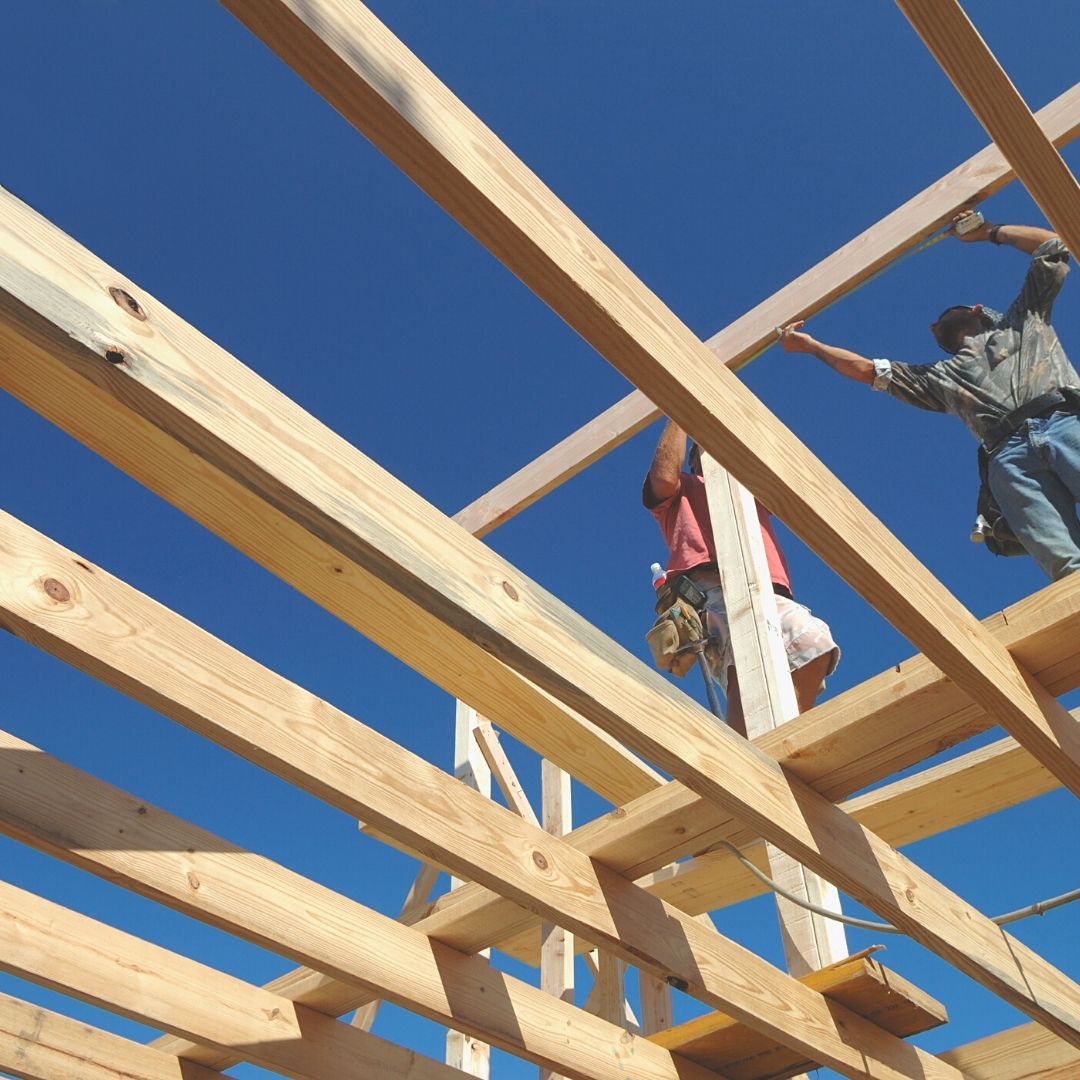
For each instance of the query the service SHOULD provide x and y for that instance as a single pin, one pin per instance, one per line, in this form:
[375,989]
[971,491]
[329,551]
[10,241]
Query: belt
[1001,429]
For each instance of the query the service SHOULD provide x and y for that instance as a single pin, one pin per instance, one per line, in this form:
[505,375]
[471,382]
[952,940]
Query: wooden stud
[487,739]
[768,701]
[48,944]
[975,180]
[556,945]
[465,1051]
[975,72]
[39,1044]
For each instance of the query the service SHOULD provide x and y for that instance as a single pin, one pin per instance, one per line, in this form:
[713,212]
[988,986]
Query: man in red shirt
[677,500]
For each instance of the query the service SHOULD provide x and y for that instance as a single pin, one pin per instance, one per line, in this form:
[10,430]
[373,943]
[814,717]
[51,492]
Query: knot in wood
[540,860]
[510,590]
[114,354]
[56,590]
[127,302]
[910,894]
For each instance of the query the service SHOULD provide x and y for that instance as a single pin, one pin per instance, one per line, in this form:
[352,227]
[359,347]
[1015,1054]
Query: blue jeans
[1035,478]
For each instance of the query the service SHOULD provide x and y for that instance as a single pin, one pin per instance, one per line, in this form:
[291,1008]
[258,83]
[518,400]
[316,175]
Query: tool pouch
[672,637]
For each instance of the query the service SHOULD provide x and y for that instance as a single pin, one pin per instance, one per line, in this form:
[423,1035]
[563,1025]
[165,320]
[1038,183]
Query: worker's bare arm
[847,363]
[1025,238]
[667,462]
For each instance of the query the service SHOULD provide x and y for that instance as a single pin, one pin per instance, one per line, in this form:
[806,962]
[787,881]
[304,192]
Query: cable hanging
[1038,908]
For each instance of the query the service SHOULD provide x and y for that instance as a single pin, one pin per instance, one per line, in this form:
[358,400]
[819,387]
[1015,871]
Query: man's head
[956,323]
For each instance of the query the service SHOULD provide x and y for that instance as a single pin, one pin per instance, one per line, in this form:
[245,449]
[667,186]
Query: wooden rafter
[39,1044]
[371,550]
[1028,1052]
[71,815]
[48,944]
[975,72]
[50,596]
[976,179]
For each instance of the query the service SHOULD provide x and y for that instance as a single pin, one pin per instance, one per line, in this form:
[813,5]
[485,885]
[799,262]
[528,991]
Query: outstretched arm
[667,462]
[1025,238]
[847,363]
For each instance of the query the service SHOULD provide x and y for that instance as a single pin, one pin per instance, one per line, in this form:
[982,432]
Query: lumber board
[981,81]
[63,950]
[975,180]
[84,821]
[61,602]
[768,700]
[859,982]
[39,1044]
[981,782]
[1027,1052]
[276,483]
[373,80]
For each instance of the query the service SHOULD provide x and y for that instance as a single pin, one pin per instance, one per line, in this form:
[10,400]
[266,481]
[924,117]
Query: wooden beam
[975,72]
[362,69]
[39,1044]
[48,944]
[487,739]
[69,814]
[768,701]
[556,945]
[976,179]
[463,1050]
[51,596]
[1028,1052]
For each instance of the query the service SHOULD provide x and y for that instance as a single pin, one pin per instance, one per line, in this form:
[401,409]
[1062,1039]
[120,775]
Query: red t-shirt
[683,518]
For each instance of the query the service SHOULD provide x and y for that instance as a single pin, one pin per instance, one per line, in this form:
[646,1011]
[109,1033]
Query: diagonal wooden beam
[975,72]
[60,602]
[69,814]
[1027,1052]
[48,944]
[275,482]
[388,95]
[39,1044]
[866,255]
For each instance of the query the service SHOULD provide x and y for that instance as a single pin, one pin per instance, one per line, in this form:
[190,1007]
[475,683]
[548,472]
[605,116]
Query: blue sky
[720,150]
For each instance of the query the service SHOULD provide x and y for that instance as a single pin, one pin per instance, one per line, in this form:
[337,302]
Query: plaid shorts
[806,637]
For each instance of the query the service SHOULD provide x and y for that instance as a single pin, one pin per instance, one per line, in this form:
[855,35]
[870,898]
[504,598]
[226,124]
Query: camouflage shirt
[1015,360]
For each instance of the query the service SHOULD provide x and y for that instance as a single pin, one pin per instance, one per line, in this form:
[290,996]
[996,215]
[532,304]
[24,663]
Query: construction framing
[97,355]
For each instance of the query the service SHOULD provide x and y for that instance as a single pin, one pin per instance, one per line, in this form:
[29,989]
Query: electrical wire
[1038,908]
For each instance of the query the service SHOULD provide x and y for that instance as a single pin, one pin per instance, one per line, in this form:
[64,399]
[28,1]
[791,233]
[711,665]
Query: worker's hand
[794,341]
[976,235]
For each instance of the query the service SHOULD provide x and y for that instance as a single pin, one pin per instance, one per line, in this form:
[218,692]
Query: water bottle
[659,576]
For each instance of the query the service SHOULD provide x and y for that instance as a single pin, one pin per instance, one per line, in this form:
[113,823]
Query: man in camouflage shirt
[1004,379]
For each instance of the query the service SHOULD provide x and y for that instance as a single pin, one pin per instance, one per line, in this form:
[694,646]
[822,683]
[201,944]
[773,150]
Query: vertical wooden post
[768,700]
[463,1051]
[556,945]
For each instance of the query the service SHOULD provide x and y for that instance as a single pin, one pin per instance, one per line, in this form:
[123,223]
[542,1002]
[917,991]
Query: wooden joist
[61,602]
[39,1044]
[975,72]
[858,982]
[976,179]
[283,488]
[1028,1052]
[69,814]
